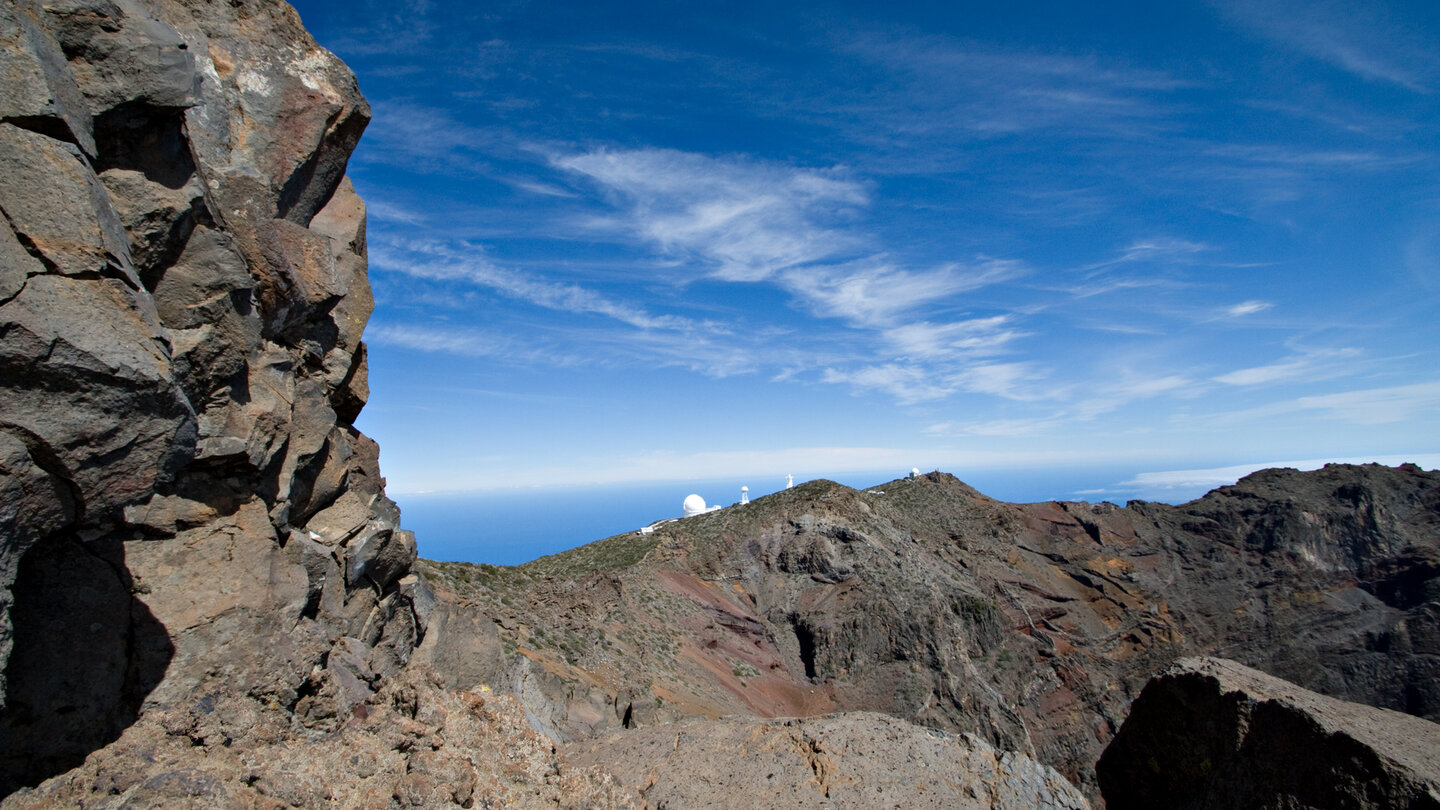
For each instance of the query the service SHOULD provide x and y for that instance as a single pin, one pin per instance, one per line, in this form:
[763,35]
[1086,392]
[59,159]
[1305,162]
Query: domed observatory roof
[694,505]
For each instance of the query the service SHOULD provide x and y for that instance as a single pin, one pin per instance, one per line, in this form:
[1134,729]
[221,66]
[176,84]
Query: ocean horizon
[517,526]
[514,527]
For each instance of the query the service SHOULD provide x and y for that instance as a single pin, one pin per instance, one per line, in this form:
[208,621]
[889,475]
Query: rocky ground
[855,760]
[412,744]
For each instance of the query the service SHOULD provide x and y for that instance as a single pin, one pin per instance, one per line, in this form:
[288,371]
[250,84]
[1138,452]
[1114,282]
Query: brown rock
[59,209]
[180,367]
[37,87]
[411,743]
[85,376]
[1212,733]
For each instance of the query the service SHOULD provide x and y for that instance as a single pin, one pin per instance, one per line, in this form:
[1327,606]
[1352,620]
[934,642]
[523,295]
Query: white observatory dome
[694,505]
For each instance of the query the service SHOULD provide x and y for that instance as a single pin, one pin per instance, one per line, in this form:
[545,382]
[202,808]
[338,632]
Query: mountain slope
[1032,625]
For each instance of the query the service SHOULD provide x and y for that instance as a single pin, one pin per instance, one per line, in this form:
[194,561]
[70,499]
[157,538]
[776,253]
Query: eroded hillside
[1033,625]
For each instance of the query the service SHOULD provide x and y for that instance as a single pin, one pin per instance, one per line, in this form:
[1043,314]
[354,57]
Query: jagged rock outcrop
[1032,626]
[1214,734]
[412,744]
[853,761]
[186,509]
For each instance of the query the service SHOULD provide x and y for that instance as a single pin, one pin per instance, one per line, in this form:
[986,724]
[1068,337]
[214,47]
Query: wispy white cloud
[950,85]
[874,292]
[543,189]
[907,383]
[1355,37]
[1244,308]
[1290,155]
[912,383]
[1206,479]
[744,219]
[1004,428]
[974,337]
[1260,375]
[802,230]
[1422,256]
[1007,380]
[1372,406]
[438,262]
[394,28]
[1104,398]
[463,341]
[1152,263]
[1061,407]
[427,138]
[387,211]
[1310,365]
[1376,405]
[563,347]
[1163,250]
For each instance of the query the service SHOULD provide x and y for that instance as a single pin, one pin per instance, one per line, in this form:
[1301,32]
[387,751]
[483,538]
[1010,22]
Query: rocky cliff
[1032,625]
[192,532]
[1212,733]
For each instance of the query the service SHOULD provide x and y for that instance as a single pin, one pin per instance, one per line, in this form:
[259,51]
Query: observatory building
[695,505]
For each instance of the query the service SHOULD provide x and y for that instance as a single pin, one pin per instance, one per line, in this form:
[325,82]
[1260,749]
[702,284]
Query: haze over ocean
[513,527]
[615,243]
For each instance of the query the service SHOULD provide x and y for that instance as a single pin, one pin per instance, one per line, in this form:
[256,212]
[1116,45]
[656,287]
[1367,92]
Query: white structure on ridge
[914,472]
[744,495]
[695,505]
[789,481]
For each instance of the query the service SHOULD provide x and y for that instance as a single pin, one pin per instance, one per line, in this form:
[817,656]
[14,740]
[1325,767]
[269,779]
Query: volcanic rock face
[185,506]
[1031,625]
[1213,733]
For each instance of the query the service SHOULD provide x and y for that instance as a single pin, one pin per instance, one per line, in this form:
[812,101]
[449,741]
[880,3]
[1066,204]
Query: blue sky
[622,242]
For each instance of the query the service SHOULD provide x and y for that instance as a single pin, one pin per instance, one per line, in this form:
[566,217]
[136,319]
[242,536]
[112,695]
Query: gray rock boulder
[1210,733]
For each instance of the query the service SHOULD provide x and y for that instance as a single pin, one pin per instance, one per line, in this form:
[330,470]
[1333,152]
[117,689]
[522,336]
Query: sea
[509,528]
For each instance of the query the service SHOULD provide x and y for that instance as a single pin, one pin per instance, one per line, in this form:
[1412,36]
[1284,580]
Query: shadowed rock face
[1031,625]
[1212,733]
[185,505]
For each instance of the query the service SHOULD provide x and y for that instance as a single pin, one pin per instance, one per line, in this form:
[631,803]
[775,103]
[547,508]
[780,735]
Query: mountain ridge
[927,600]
